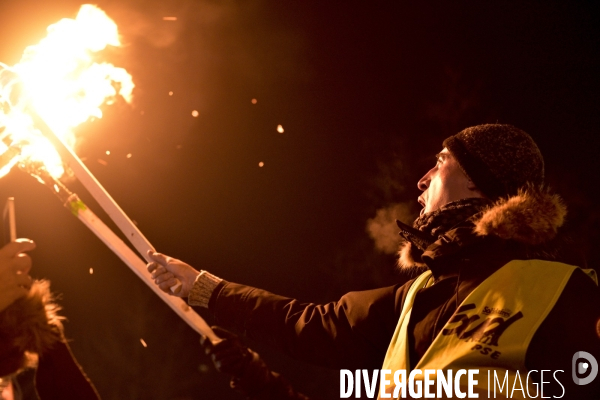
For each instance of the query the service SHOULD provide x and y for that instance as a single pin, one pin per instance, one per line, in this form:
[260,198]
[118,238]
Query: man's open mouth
[422,203]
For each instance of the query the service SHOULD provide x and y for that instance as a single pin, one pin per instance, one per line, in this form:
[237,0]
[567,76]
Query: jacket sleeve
[353,332]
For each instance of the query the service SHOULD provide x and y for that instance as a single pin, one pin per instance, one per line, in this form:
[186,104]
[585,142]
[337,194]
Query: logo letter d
[582,368]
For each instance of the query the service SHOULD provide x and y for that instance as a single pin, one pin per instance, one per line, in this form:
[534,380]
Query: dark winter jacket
[355,331]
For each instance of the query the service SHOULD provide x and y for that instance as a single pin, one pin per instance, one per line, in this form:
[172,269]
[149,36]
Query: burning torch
[55,87]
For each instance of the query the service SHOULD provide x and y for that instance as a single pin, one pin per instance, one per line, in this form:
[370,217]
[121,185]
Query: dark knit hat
[499,159]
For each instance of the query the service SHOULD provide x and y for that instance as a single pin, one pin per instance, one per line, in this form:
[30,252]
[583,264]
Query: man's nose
[423,183]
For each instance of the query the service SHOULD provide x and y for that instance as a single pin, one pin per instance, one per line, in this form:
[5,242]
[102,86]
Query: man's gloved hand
[229,355]
[249,373]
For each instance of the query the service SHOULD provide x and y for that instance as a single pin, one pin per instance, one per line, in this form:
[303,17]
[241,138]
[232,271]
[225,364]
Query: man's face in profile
[444,183]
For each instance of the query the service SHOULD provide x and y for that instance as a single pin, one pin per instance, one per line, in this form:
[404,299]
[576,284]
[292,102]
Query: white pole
[133,234]
[89,181]
[137,265]
[104,199]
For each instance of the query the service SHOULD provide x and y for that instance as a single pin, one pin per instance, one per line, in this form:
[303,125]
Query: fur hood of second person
[28,327]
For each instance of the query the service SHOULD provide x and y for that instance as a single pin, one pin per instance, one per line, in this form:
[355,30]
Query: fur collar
[532,218]
[28,327]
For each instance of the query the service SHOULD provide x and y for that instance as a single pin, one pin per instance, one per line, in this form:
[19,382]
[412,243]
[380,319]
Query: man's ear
[475,192]
[471,185]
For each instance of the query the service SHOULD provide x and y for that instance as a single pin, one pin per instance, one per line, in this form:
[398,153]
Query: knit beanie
[499,159]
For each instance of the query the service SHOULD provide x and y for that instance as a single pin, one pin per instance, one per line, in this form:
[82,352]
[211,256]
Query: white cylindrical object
[104,199]
[89,181]
[138,266]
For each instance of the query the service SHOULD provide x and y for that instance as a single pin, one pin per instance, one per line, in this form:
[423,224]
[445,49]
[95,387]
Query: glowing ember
[59,79]
[254,101]
[203,368]
[129,155]
[279,128]
[108,152]
[195,113]
[171,93]
[261,164]
[91,271]
[143,342]
[169,18]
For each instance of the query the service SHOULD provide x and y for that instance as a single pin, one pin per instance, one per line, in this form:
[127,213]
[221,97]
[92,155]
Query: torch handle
[93,186]
[137,265]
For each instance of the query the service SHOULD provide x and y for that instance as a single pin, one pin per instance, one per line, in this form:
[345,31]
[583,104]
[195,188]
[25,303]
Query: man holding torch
[492,294]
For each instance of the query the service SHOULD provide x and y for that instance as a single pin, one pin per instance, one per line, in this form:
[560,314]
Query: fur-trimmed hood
[28,327]
[532,218]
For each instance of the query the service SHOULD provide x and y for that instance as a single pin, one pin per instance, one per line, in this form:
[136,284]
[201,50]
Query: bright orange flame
[59,79]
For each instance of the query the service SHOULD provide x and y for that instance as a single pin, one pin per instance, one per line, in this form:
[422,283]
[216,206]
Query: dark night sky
[366,92]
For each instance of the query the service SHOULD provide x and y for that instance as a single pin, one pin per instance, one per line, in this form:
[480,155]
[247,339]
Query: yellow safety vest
[491,329]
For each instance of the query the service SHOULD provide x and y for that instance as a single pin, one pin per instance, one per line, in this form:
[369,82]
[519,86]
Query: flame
[60,79]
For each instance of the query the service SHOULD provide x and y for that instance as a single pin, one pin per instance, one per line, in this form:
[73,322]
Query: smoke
[383,229]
